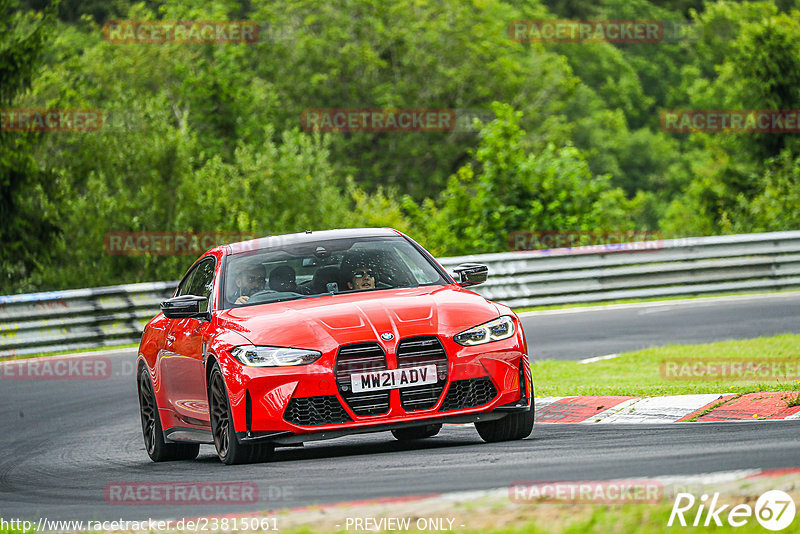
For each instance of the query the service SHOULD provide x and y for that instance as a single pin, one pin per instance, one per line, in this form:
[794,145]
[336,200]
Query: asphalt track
[63,442]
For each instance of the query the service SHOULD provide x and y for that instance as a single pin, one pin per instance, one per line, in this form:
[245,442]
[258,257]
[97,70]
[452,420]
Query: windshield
[324,268]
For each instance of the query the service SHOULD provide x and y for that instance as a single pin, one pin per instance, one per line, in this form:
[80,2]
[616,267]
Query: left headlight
[494,330]
[254,356]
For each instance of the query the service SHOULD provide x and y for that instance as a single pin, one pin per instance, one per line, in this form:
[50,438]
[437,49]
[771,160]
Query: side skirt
[178,434]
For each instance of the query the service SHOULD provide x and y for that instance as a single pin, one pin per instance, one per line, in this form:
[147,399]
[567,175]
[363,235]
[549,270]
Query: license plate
[394,378]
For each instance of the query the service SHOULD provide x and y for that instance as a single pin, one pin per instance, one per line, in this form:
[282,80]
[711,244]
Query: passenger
[363,278]
[283,278]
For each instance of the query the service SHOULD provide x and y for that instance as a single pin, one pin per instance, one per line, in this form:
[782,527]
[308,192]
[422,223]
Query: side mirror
[184,307]
[471,274]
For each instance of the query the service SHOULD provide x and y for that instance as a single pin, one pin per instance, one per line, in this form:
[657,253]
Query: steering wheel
[260,293]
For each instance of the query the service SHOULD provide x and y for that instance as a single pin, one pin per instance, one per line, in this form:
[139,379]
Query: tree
[513,185]
[28,214]
[760,69]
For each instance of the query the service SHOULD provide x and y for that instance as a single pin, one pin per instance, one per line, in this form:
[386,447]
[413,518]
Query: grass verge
[641,373]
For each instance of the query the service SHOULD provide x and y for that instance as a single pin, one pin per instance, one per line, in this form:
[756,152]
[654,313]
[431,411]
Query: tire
[229,450]
[416,432]
[511,427]
[158,449]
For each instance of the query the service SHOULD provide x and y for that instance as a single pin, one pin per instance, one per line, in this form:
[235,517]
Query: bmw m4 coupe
[285,339]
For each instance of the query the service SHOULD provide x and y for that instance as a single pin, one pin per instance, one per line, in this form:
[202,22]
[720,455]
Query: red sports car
[300,337]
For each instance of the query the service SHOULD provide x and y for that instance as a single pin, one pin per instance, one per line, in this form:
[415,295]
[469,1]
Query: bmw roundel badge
[387,336]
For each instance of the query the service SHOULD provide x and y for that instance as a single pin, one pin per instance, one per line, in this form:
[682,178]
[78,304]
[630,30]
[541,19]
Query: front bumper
[295,404]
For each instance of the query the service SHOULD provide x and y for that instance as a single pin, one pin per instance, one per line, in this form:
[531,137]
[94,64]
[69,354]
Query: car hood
[326,322]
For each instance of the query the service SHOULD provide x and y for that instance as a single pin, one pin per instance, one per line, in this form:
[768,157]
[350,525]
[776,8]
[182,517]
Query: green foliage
[373,54]
[777,206]
[513,186]
[205,137]
[758,54]
[28,217]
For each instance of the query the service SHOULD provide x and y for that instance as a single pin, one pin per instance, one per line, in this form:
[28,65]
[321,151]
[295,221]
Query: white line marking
[599,358]
[650,311]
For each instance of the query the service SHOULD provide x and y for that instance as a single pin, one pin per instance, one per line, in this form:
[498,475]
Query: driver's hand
[242,299]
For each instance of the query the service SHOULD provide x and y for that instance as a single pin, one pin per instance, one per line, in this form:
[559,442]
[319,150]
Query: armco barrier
[80,318]
[672,267]
[61,320]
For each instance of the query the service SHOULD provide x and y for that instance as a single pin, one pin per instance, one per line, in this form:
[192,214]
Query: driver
[363,278]
[249,281]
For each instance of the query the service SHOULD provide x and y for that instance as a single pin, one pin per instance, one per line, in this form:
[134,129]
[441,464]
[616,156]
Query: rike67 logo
[774,510]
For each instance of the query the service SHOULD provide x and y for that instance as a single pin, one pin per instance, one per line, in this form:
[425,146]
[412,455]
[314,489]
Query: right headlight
[257,356]
[494,330]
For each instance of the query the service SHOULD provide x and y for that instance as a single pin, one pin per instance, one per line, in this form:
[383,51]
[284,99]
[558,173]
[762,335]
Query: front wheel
[416,432]
[229,450]
[158,449]
[513,426]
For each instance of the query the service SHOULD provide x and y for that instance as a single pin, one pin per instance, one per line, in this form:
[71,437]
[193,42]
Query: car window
[331,266]
[423,272]
[183,287]
[203,282]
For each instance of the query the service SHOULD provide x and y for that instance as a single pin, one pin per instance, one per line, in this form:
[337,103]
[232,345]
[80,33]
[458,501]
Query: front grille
[469,393]
[361,358]
[416,352]
[311,411]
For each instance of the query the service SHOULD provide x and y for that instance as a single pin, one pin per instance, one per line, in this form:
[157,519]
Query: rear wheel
[416,432]
[513,426]
[158,449]
[229,450]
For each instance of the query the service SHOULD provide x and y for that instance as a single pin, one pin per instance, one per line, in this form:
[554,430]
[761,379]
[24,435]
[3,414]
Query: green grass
[636,301]
[73,351]
[639,373]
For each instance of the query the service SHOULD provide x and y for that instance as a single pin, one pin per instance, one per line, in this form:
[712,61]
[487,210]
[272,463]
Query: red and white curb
[702,408]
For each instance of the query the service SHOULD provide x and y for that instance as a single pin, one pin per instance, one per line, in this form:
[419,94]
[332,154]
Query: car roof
[308,237]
